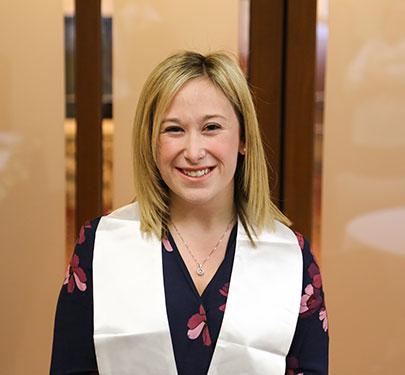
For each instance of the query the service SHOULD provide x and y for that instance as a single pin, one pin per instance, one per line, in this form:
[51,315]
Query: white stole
[131,329]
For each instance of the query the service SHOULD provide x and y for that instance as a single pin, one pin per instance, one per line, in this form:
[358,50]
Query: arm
[308,354]
[73,347]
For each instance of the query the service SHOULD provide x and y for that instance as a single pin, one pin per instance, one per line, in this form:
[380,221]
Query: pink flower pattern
[312,299]
[224,291]
[301,243]
[75,275]
[300,239]
[315,274]
[168,247]
[323,317]
[197,324]
[82,235]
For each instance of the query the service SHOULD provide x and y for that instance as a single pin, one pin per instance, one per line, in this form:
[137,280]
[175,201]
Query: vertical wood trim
[266,79]
[88,111]
[281,73]
[299,113]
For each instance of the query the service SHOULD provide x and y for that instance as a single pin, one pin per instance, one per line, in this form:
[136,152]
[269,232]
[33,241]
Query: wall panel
[363,186]
[31,181]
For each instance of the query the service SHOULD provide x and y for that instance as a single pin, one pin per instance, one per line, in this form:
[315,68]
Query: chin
[194,199]
[205,196]
[197,200]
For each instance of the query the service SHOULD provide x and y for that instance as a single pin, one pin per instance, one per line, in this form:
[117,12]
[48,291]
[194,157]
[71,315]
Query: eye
[172,129]
[212,127]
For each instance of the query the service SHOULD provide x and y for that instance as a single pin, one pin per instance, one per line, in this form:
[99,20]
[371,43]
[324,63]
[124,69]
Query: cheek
[231,147]
[166,152]
[227,151]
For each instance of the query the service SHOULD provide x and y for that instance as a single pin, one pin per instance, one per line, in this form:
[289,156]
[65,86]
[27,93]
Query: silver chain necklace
[200,270]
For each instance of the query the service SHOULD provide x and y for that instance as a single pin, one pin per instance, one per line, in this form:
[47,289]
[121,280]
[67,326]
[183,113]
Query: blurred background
[329,84]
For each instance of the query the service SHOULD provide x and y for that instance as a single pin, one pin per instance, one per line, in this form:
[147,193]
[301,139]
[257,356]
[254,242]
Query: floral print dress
[194,320]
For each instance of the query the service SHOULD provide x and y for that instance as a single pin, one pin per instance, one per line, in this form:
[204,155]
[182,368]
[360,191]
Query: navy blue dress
[194,320]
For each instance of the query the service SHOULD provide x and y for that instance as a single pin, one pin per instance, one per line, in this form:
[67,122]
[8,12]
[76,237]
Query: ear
[242,148]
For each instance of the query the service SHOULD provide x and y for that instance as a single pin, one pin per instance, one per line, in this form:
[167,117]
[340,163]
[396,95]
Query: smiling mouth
[195,173]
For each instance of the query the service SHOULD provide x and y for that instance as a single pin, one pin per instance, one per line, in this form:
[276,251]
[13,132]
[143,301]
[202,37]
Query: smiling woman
[202,238]
[198,87]
[198,146]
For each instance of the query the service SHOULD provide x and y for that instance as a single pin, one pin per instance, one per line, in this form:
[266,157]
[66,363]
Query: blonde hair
[252,195]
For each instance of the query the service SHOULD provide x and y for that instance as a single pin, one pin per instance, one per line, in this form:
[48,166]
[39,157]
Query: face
[198,145]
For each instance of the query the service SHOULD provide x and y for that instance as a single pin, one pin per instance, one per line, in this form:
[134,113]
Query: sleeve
[73,346]
[309,350]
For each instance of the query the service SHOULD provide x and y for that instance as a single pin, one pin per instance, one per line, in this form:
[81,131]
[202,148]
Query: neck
[207,215]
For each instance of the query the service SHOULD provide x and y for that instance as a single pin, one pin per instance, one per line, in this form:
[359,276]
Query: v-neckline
[186,271]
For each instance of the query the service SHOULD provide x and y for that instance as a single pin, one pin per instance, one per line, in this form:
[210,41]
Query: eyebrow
[204,118]
[209,117]
[171,119]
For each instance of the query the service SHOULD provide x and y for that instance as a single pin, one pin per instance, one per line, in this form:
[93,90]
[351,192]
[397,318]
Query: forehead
[199,94]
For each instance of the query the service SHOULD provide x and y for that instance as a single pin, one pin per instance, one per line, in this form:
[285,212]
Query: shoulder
[85,239]
[312,289]
[78,273]
[279,233]
[310,262]
[73,348]
[125,215]
[127,212]
[87,231]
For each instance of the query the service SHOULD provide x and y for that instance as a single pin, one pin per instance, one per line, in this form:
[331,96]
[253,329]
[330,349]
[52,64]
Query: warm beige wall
[31,181]
[363,252]
[145,32]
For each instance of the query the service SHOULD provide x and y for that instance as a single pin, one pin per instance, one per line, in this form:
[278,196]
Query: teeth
[199,173]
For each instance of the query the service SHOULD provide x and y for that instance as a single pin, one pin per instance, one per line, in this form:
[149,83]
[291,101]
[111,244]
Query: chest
[123,325]
[202,259]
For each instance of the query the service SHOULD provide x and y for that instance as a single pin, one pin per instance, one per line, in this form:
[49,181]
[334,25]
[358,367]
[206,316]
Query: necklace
[200,269]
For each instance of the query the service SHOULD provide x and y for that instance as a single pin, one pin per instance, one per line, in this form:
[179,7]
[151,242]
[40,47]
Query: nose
[194,150]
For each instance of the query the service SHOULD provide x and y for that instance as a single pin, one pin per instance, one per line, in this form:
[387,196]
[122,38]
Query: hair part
[252,196]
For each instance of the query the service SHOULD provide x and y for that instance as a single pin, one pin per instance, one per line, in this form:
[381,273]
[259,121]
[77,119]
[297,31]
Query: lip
[196,178]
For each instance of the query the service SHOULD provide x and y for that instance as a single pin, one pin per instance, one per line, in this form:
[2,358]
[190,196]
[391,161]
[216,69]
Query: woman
[201,274]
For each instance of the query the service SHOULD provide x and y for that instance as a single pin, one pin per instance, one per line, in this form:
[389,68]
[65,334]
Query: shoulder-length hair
[252,195]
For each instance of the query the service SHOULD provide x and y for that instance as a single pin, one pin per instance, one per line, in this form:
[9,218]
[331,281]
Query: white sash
[131,330]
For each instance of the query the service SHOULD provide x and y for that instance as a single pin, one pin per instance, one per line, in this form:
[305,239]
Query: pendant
[200,271]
